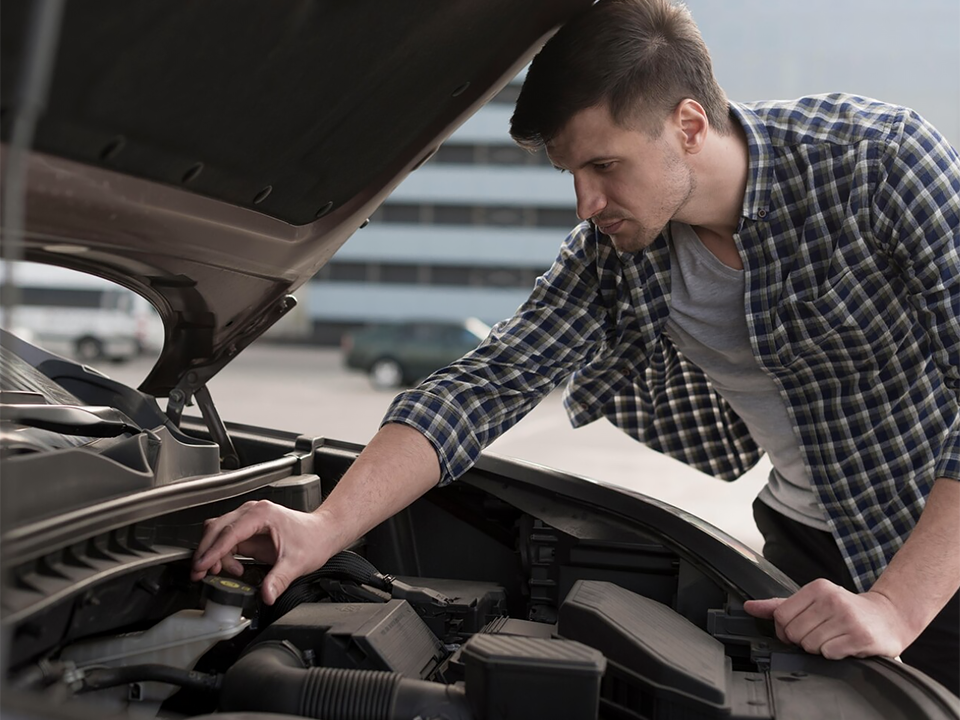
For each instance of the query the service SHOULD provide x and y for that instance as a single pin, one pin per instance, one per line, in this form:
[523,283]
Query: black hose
[44,673]
[350,566]
[300,591]
[345,565]
[98,678]
[273,677]
[333,693]
[51,673]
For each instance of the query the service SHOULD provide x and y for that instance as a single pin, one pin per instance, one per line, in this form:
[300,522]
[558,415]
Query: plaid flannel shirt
[850,241]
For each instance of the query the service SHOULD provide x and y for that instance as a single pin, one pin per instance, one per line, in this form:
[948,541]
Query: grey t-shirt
[708,325]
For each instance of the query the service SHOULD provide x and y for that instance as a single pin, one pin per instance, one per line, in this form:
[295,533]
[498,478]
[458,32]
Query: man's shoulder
[834,118]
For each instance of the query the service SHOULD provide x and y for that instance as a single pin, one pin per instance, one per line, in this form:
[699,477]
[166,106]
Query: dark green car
[402,353]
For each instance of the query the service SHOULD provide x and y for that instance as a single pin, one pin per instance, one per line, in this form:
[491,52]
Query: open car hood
[213,156]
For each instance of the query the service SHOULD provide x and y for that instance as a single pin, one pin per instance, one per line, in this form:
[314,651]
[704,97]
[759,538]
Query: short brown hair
[640,57]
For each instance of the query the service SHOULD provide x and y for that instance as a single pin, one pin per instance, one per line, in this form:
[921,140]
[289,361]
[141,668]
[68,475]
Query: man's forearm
[397,466]
[824,618]
[925,572]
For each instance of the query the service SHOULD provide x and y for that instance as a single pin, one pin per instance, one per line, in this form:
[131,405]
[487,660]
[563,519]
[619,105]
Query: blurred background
[459,244]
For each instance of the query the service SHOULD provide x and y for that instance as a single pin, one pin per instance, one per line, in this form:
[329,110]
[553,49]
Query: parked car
[212,156]
[399,353]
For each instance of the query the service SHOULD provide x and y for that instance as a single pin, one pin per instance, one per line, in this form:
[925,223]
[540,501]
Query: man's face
[629,184]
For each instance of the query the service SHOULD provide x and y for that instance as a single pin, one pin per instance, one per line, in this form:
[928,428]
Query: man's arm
[924,574]
[915,214]
[432,434]
[397,466]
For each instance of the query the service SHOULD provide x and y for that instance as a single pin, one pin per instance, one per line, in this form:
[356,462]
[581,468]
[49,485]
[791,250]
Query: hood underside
[213,156]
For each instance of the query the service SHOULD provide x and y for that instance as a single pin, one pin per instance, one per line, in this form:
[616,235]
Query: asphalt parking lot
[306,390]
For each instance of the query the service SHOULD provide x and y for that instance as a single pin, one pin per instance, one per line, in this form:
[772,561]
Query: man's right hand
[398,466]
[289,540]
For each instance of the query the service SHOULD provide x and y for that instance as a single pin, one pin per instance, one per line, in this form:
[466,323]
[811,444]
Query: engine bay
[351,642]
[516,592]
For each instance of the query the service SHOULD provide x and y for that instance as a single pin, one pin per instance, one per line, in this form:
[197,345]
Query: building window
[498,215]
[507,96]
[556,218]
[450,275]
[454,155]
[345,272]
[510,216]
[454,215]
[507,155]
[401,213]
[413,274]
[499,277]
[485,154]
[405,274]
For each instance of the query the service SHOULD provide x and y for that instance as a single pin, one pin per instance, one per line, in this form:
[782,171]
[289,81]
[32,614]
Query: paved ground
[306,390]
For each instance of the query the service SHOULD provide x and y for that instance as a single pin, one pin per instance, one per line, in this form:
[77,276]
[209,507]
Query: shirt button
[761,214]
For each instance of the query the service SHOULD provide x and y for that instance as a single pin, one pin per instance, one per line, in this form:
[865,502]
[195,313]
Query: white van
[71,313]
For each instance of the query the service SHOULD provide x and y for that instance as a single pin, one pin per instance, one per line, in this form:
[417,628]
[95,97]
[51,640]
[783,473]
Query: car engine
[517,592]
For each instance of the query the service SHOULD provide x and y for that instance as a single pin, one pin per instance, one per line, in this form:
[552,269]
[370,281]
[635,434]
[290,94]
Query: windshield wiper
[88,421]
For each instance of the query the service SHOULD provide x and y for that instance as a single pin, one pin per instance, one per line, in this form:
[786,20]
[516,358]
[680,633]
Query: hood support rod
[180,397]
[229,459]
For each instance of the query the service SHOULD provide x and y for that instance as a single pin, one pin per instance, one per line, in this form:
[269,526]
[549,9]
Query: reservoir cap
[227,591]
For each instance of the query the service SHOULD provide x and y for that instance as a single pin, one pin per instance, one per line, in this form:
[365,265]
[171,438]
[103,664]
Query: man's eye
[602,166]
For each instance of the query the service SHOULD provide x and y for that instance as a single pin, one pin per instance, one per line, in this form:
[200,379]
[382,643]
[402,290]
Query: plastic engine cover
[365,636]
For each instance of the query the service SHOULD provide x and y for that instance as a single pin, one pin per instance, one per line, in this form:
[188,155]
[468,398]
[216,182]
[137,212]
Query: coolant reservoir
[178,640]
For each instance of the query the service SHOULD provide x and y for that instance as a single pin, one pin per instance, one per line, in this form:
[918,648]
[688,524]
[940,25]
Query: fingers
[832,642]
[231,565]
[762,609]
[276,582]
[783,611]
[812,630]
[297,553]
[215,569]
[221,536]
[826,619]
[796,617]
[270,533]
[765,610]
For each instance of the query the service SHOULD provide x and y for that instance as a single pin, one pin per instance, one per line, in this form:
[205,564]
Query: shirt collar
[756,200]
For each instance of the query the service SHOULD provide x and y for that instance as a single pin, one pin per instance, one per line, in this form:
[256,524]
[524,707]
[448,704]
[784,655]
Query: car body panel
[257,97]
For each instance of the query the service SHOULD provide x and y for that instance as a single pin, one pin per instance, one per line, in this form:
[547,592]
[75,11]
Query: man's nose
[590,200]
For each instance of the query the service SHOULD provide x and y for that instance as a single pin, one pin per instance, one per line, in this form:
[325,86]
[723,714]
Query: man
[779,277]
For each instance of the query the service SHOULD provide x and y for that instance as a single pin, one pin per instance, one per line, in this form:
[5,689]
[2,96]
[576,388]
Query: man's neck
[721,176]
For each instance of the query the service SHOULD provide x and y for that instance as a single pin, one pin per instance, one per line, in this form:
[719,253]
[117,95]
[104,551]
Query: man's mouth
[609,227]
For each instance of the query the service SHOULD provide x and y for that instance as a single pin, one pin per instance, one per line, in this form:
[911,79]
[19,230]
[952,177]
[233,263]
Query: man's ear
[693,125]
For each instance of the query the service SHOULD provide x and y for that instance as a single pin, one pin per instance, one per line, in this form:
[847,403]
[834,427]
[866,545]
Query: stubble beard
[680,185]
[641,238]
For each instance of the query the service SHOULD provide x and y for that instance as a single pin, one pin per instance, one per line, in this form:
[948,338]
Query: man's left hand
[829,620]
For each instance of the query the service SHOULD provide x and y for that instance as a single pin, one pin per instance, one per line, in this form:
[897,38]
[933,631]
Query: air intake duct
[273,677]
